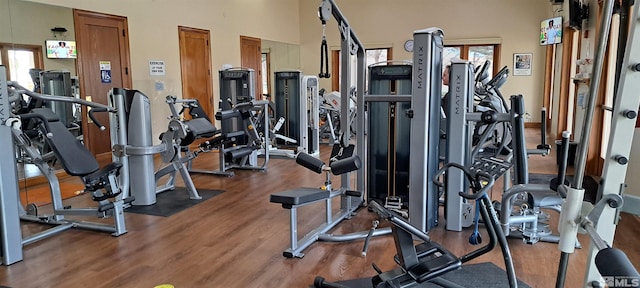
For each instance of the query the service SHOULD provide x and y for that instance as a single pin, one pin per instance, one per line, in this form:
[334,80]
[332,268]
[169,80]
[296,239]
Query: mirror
[277,56]
[29,24]
[27,41]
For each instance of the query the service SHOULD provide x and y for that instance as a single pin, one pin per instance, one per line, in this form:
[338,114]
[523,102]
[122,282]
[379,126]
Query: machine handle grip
[241,105]
[319,282]
[346,165]
[479,189]
[312,163]
[93,118]
[613,262]
[380,210]
[474,180]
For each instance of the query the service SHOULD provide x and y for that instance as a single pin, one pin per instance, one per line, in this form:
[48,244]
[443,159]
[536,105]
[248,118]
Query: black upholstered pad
[227,114]
[299,196]
[96,179]
[201,128]
[238,152]
[47,113]
[74,157]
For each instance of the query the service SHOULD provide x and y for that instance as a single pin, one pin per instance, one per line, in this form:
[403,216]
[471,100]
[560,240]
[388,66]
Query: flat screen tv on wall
[61,49]
[551,31]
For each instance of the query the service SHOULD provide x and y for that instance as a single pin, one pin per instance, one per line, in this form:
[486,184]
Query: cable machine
[297,111]
[237,85]
[389,130]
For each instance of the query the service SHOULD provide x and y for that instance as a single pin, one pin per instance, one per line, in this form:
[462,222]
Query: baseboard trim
[40,179]
[631,204]
[532,125]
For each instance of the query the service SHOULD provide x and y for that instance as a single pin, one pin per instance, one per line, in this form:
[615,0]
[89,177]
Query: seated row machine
[342,161]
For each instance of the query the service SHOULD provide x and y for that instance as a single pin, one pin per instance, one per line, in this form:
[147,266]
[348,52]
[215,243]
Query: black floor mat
[471,275]
[589,184]
[172,202]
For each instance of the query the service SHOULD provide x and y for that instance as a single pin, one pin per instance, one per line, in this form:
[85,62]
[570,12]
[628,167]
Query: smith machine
[605,265]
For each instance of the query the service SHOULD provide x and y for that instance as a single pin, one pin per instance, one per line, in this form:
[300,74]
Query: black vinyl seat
[75,158]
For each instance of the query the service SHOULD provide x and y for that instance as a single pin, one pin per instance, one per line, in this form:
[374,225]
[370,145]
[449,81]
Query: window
[19,59]
[476,54]
[266,74]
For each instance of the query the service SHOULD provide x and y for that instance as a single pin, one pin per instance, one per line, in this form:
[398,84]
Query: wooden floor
[236,239]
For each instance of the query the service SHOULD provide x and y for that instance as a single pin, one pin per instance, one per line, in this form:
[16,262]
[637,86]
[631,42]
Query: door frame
[258,69]
[125,62]
[208,60]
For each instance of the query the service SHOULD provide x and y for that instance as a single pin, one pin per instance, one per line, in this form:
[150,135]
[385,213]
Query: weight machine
[181,133]
[605,265]
[297,111]
[237,85]
[423,265]
[389,127]
[133,146]
[424,112]
[244,125]
[423,193]
[462,119]
[101,184]
[330,113]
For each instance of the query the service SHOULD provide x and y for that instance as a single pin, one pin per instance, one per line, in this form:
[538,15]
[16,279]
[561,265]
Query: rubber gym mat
[471,275]
[172,202]
[589,184]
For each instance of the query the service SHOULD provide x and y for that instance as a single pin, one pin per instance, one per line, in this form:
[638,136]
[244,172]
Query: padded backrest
[198,112]
[74,157]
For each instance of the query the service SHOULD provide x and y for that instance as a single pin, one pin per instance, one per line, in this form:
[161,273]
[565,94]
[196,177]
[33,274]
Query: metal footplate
[495,167]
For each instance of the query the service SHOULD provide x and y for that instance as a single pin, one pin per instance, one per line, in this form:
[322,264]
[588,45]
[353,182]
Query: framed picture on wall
[522,64]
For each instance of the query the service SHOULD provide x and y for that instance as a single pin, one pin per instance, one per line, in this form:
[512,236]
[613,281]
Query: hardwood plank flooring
[236,239]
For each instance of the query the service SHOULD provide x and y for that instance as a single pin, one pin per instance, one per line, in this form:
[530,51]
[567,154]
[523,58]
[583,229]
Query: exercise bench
[296,198]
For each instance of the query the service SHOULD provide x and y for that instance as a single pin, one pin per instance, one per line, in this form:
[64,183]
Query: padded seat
[97,180]
[299,196]
[201,128]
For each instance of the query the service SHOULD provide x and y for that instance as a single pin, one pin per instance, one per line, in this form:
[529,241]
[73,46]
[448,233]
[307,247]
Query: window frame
[38,60]
[464,52]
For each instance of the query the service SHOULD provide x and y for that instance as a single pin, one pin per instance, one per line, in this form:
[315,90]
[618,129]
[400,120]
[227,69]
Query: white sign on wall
[156,68]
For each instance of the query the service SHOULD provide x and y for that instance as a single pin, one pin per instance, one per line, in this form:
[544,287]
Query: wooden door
[195,67]
[103,63]
[251,57]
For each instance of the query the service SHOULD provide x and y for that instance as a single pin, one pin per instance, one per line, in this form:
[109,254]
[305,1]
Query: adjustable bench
[77,160]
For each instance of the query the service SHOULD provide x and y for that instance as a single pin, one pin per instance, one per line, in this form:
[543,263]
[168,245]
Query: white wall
[282,56]
[153,35]
[515,22]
